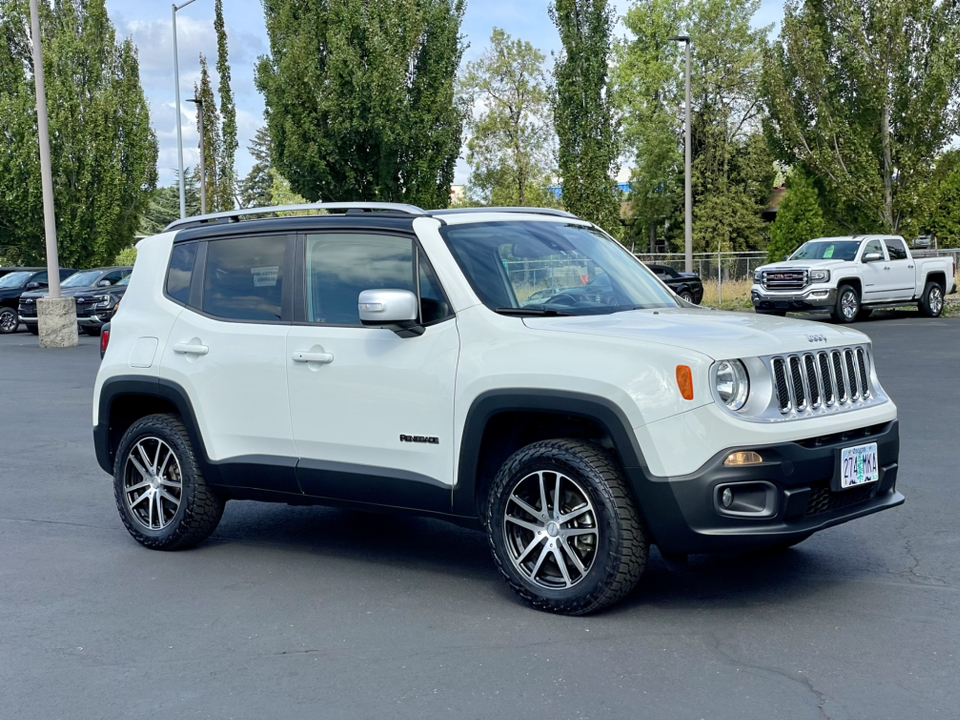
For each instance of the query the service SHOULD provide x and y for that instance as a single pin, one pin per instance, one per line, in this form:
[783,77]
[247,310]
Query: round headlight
[733,385]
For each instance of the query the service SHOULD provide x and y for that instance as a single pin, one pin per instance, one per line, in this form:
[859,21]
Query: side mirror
[35,285]
[872,257]
[104,283]
[392,310]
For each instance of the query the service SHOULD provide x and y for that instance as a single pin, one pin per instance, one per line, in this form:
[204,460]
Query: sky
[148,23]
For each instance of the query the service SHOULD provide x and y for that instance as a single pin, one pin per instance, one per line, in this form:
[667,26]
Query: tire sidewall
[927,307]
[608,523]
[155,427]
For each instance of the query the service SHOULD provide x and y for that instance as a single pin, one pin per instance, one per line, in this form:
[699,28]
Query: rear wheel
[563,529]
[931,302]
[848,304]
[686,295]
[161,494]
[9,322]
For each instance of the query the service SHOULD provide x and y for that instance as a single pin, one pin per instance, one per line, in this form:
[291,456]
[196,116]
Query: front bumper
[811,298]
[684,514]
[99,319]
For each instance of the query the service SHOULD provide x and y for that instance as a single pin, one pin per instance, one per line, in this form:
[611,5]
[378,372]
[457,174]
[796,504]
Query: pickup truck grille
[784,279]
[825,379]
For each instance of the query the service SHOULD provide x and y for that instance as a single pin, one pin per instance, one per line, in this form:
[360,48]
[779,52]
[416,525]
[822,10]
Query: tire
[9,322]
[931,302]
[601,562]
[189,513]
[686,295]
[847,306]
[33,329]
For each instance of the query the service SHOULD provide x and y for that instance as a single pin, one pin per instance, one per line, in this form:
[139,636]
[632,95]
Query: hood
[64,292]
[718,334]
[796,264]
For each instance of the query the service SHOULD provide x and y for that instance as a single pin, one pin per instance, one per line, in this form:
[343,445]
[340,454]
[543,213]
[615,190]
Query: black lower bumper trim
[684,515]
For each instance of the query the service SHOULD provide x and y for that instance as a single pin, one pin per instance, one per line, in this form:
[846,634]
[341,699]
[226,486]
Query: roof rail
[231,216]
[528,210]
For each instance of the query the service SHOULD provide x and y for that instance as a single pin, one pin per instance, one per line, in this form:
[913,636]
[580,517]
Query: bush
[127,256]
[798,220]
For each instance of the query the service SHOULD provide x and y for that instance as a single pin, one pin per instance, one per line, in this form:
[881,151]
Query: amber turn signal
[743,458]
[685,381]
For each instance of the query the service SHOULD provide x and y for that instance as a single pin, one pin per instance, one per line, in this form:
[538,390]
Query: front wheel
[563,529]
[688,296]
[848,304]
[931,302]
[9,322]
[161,494]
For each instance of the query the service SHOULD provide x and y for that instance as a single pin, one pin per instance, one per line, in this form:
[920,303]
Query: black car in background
[14,283]
[82,282]
[687,285]
[95,308]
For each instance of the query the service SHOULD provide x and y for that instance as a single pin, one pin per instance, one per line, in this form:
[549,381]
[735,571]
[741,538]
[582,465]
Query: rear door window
[896,248]
[244,276]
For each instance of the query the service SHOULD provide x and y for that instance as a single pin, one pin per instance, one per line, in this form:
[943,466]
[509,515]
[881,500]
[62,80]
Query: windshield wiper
[530,311]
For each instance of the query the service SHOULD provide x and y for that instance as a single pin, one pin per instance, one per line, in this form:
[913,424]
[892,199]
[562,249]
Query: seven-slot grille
[826,378]
[784,279]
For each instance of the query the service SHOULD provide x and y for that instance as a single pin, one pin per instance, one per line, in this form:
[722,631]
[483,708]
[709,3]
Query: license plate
[858,465]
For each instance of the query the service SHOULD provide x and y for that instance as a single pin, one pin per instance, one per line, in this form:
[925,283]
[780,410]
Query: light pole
[176,80]
[687,184]
[203,157]
[56,316]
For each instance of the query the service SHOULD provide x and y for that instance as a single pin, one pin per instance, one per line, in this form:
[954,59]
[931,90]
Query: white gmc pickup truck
[850,276]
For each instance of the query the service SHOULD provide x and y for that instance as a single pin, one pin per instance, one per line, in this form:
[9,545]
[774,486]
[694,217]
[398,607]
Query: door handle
[910,266]
[317,357]
[190,349]
[886,267]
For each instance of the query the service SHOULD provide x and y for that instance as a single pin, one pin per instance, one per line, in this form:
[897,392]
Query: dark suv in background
[96,308]
[83,283]
[14,283]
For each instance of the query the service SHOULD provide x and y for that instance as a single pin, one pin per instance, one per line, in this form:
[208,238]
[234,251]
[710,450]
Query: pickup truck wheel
[563,528]
[161,494]
[9,322]
[848,304]
[931,302]
[687,295]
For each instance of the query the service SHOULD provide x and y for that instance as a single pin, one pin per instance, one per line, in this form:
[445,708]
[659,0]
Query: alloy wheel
[550,527]
[936,300]
[152,483]
[8,322]
[848,304]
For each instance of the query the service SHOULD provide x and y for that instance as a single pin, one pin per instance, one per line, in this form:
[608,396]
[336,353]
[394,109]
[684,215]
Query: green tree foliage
[164,205]
[732,166]
[865,94]
[226,175]
[944,211]
[127,256]
[588,147]
[256,186]
[208,123]
[799,217]
[510,148]
[360,97]
[103,151]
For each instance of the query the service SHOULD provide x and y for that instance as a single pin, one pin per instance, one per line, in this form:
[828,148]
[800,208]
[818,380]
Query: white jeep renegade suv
[516,367]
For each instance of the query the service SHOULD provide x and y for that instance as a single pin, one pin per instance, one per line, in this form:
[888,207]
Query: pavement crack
[56,522]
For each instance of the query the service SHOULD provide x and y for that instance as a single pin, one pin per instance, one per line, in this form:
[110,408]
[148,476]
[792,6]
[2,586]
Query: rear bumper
[797,485]
[810,299]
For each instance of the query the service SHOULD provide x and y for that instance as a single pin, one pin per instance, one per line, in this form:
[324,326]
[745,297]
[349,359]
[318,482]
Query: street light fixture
[203,156]
[687,184]
[176,80]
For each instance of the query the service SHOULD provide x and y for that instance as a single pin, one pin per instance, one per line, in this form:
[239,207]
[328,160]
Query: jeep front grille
[784,279]
[834,379]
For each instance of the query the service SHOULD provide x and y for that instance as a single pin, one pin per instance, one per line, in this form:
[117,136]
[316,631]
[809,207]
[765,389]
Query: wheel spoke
[544,506]
[573,532]
[543,555]
[150,505]
[523,523]
[136,502]
[533,543]
[140,468]
[573,514]
[156,458]
[143,455]
[556,499]
[525,506]
[163,468]
[573,555]
[167,496]
[145,483]
[562,564]
[169,483]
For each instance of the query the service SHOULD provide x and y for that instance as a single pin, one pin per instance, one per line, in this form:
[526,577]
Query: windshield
[827,250]
[550,268]
[124,281]
[14,279]
[82,278]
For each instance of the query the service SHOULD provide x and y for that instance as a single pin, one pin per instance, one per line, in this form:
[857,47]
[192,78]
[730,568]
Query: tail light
[104,340]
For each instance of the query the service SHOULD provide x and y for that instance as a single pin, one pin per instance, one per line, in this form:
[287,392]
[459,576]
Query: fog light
[743,458]
[726,497]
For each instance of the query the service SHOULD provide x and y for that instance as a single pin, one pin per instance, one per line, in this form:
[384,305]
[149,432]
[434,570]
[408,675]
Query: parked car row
[97,292]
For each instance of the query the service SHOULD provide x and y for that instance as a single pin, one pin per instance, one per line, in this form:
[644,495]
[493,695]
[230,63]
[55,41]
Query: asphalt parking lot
[319,613]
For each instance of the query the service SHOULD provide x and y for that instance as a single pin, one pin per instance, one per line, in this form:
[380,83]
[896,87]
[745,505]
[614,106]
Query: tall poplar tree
[226,173]
[583,113]
[209,125]
[103,151]
[360,99]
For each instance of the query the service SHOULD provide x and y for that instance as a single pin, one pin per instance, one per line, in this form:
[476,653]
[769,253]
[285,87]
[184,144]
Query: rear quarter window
[180,274]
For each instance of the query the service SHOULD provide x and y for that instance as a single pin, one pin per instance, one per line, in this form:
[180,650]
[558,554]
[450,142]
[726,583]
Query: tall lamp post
[56,316]
[176,80]
[687,184]
[203,156]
